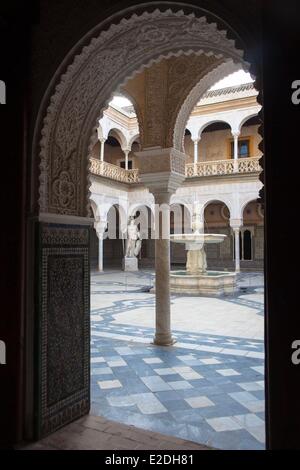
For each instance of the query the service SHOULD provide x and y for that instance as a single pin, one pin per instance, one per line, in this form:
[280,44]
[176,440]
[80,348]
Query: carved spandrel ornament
[96,72]
[166,86]
[183,74]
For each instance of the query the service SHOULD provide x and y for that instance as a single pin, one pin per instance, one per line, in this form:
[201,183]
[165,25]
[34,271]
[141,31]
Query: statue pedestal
[130,264]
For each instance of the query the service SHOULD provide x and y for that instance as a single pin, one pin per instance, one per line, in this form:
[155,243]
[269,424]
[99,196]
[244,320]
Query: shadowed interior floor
[97,433]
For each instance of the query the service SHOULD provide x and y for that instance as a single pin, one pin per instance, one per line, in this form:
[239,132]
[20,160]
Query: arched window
[243,148]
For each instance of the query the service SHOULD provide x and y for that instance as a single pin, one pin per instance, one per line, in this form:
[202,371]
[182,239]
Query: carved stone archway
[83,92]
[86,88]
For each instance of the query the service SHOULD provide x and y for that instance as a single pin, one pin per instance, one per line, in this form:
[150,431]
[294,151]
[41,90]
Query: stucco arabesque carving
[166,86]
[183,75]
[177,161]
[100,69]
[221,71]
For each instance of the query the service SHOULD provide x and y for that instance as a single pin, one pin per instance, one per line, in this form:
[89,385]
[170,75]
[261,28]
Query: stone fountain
[196,279]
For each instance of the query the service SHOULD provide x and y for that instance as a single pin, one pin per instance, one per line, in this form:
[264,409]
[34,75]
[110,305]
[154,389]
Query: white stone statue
[134,243]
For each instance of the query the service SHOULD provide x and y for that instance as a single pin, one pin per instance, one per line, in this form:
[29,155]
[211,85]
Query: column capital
[236,224]
[235,134]
[100,227]
[161,196]
[196,140]
[161,170]
[162,184]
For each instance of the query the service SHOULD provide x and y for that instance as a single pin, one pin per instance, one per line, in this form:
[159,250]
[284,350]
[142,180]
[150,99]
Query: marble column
[102,144]
[163,335]
[100,229]
[162,171]
[196,142]
[236,150]
[126,153]
[100,257]
[237,231]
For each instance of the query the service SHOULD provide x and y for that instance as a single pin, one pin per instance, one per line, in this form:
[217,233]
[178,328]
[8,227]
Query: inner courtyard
[202,379]
[169,195]
[149,286]
[208,388]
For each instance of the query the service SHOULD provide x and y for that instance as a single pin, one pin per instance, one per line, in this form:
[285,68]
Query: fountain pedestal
[196,279]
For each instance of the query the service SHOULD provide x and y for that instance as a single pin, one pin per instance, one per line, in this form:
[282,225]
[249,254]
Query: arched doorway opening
[63,188]
[252,237]
[211,145]
[217,220]
[249,138]
[113,246]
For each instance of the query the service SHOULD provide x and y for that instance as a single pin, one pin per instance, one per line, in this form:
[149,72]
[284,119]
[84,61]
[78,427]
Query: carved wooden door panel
[63,326]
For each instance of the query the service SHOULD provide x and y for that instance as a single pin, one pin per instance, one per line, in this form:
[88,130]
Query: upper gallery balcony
[192,170]
[221,137]
[114,172]
[223,167]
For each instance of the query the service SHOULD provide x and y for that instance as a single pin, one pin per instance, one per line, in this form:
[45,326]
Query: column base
[163,340]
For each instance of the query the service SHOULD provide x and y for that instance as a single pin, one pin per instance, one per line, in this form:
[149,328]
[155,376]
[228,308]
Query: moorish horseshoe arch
[85,89]
[82,93]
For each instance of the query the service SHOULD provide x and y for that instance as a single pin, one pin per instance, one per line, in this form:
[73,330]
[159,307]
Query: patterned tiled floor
[207,388]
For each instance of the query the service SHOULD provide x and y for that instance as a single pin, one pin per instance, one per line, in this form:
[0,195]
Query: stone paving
[97,433]
[207,388]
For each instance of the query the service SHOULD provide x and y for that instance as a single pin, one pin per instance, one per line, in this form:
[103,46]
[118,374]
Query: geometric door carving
[63,326]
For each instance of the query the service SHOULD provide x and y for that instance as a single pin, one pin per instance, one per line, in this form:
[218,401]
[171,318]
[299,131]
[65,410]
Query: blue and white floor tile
[206,388]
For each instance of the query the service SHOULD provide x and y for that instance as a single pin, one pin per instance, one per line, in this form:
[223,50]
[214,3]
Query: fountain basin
[196,279]
[197,238]
[211,283]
